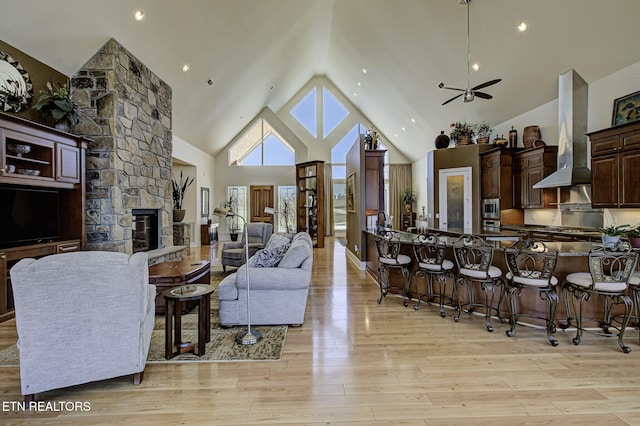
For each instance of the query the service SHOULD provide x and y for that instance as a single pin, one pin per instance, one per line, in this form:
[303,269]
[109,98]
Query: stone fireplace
[126,111]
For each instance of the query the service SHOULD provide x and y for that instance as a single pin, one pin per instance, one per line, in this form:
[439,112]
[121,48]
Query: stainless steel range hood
[573,94]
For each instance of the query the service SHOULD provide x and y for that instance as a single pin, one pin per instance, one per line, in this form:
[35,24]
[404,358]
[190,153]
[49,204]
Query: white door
[455,198]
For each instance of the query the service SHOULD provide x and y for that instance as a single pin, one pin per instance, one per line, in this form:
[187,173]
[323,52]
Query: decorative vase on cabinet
[442,140]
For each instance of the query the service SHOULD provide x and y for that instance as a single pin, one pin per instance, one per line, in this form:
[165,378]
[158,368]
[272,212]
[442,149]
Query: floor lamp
[247,337]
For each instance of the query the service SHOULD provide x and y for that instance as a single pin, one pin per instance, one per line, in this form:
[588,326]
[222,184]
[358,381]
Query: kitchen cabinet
[496,176]
[310,214]
[615,161]
[530,167]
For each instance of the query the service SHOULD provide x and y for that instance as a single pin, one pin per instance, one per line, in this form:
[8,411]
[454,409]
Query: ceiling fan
[469,93]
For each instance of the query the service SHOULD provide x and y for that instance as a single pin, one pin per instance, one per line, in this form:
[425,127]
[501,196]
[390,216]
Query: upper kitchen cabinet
[496,178]
[530,167]
[615,161]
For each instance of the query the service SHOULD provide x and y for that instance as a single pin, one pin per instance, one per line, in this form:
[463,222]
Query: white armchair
[82,317]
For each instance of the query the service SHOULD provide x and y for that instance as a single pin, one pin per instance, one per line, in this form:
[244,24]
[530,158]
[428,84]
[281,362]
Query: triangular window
[305,112]
[261,145]
[333,112]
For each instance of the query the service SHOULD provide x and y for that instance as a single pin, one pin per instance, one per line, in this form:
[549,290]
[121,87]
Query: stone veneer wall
[126,110]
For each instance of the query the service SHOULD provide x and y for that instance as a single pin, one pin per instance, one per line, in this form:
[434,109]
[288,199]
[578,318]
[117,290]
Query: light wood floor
[355,362]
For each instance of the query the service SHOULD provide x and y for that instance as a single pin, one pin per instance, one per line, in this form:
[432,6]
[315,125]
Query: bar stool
[634,285]
[429,254]
[610,269]
[389,257]
[531,265]
[473,256]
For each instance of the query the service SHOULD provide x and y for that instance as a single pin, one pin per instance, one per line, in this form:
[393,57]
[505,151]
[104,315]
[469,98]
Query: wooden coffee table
[166,275]
[175,298]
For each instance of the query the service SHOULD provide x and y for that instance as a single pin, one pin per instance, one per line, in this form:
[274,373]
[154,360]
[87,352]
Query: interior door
[455,198]
[261,196]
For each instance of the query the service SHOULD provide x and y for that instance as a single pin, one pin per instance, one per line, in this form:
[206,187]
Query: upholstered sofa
[82,317]
[233,253]
[278,293]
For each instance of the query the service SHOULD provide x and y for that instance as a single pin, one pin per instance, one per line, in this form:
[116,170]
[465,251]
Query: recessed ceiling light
[359,84]
[413,120]
[138,15]
[395,135]
[355,94]
[475,67]
[403,129]
[185,67]
[364,70]
[522,27]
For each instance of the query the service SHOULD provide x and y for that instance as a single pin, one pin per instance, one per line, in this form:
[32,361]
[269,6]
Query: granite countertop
[500,239]
[552,229]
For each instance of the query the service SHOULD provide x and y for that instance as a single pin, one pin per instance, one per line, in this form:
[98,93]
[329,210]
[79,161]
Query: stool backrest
[428,249]
[388,245]
[473,253]
[612,264]
[530,259]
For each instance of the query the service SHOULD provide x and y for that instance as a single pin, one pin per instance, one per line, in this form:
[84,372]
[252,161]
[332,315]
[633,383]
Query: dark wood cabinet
[310,212]
[408,220]
[497,176]
[374,181]
[615,161]
[530,167]
[37,157]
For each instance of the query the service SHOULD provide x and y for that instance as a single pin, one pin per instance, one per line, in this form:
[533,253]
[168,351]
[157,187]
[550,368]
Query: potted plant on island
[462,133]
[633,234]
[408,198]
[179,189]
[611,234]
[55,102]
[483,130]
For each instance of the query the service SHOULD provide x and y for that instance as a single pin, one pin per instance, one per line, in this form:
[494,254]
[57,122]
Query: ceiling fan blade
[455,97]
[487,84]
[482,95]
[454,88]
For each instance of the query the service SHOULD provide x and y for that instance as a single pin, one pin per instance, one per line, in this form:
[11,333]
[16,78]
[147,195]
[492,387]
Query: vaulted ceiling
[261,52]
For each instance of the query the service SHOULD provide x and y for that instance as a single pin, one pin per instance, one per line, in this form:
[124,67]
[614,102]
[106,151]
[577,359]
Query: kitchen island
[572,257]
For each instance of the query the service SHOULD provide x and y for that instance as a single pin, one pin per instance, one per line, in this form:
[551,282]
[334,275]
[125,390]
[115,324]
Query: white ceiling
[261,53]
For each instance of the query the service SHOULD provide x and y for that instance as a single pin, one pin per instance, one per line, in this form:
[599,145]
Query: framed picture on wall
[351,201]
[626,109]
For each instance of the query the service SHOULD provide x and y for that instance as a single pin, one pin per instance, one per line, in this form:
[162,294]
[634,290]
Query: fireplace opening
[146,229]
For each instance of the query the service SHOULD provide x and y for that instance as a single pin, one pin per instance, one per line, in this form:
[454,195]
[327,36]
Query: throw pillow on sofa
[277,240]
[268,258]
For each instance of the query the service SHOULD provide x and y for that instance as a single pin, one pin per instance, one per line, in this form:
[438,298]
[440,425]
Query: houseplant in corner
[408,198]
[179,189]
[55,102]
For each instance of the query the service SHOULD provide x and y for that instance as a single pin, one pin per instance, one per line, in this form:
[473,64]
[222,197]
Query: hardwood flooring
[355,362]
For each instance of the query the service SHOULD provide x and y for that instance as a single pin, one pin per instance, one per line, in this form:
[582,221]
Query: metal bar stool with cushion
[531,265]
[429,254]
[610,269]
[389,257]
[473,256]
[634,285]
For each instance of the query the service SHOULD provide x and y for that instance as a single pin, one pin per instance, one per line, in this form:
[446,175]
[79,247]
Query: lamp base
[246,338]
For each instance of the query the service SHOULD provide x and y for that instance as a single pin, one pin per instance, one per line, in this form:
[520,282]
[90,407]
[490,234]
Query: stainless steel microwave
[491,208]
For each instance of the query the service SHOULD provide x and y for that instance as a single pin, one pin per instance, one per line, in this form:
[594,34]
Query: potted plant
[461,132]
[611,234]
[232,225]
[408,198]
[633,234]
[483,130]
[179,189]
[55,102]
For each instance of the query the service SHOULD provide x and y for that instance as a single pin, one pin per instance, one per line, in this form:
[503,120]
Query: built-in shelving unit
[310,205]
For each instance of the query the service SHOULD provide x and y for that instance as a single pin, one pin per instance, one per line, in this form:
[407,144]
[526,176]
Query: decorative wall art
[16,90]
[626,109]
[351,201]
[204,200]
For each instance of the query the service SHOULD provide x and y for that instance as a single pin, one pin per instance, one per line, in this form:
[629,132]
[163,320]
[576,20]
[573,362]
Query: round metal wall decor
[16,90]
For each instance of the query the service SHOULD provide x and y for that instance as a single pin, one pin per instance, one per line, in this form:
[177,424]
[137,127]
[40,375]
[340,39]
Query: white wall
[199,165]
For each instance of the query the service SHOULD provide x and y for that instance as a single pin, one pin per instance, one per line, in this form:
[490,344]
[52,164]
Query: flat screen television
[28,216]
